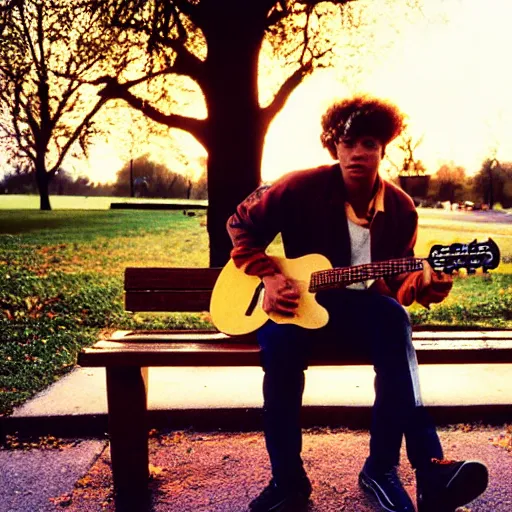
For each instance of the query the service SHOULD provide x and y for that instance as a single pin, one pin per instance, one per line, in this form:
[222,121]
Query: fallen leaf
[84,481]
[63,500]
[155,470]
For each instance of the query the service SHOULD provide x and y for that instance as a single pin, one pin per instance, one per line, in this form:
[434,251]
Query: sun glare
[449,75]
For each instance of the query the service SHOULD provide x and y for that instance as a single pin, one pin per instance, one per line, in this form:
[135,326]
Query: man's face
[360,159]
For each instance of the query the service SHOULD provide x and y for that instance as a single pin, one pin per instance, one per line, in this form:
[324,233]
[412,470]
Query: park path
[222,472]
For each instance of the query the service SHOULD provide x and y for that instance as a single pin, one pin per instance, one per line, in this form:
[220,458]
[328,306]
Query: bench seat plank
[171,350]
[474,334]
[212,335]
[117,353]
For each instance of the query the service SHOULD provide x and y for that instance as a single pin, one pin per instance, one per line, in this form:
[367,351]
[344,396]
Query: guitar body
[234,292]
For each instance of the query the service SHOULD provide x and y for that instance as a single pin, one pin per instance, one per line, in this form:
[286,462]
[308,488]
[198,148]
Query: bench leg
[127,422]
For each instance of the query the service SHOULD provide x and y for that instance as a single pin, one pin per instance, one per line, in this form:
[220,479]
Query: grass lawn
[61,285]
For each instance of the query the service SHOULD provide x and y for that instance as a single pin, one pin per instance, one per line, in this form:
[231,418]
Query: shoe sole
[469,482]
[368,485]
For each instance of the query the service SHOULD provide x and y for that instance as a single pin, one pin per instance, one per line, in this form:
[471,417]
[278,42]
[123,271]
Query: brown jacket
[308,209]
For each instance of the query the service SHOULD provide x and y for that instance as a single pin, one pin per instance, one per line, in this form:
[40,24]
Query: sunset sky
[449,71]
[447,68]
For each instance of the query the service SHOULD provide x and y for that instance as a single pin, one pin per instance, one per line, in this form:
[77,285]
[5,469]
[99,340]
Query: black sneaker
[443,485]
[387,489]
[279,499]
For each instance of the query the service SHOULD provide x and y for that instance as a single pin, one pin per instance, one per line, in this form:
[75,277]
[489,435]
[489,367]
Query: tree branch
[285,90]
[12,138]
[309,10]
[197,127]
[28,152]
[280,10]
[187,63]
[109,80]
[61,105]
[31,121]
[78,130]
[28,37]
[26,148]
[4,14]
[40,40]
[193,11]
[277,13]
[314,3]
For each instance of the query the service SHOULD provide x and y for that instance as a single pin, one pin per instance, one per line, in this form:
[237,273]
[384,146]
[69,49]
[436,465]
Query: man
[350,215]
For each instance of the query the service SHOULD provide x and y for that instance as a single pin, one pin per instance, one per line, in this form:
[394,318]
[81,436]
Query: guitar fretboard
[343,276]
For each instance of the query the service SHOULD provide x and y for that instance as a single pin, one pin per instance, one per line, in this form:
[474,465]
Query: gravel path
[222,472]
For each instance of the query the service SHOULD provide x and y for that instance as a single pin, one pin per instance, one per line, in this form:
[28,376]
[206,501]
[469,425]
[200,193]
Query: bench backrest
[189,290]
[169,289]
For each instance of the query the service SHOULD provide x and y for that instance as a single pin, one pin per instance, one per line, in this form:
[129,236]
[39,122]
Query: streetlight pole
[132,192]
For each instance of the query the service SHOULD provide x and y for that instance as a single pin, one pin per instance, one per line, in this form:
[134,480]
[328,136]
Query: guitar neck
[343,276]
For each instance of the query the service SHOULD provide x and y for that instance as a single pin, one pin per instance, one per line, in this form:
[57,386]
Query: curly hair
[358,116]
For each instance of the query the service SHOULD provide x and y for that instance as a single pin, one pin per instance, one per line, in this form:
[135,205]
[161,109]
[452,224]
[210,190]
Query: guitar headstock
[448,258]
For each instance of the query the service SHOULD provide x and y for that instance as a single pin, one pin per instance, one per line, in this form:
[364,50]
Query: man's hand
[425,286]
[435,287]
[281,295]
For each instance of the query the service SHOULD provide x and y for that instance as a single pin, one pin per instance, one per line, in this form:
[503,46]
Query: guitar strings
[325,279]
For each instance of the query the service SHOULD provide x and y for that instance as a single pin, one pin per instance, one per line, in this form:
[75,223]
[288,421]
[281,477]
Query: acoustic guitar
[236,299]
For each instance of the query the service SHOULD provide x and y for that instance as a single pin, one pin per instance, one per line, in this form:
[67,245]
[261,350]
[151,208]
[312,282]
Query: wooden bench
[127,356]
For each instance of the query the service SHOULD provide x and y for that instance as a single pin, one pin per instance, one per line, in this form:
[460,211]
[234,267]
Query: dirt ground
[222,472]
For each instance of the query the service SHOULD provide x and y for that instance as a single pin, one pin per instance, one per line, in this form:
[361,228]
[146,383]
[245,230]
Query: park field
[61,276]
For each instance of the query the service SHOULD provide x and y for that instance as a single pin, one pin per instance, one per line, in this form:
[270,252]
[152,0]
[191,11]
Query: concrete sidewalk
[32,478]
[230,398]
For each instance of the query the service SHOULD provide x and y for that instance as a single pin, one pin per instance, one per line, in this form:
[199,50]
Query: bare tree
[490,181]
[407,163]
[49,50]
[449,183]
[217,44]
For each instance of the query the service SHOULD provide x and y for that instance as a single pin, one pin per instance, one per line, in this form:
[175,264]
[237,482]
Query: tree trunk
[236,136]
[232,175]
[43,180]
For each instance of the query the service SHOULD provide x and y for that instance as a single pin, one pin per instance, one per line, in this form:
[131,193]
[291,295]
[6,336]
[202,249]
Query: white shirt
[360,249]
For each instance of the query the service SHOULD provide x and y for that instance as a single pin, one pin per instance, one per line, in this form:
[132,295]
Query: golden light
[447,69]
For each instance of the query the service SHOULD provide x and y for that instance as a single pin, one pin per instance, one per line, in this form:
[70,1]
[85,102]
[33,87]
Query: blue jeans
[365,323]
